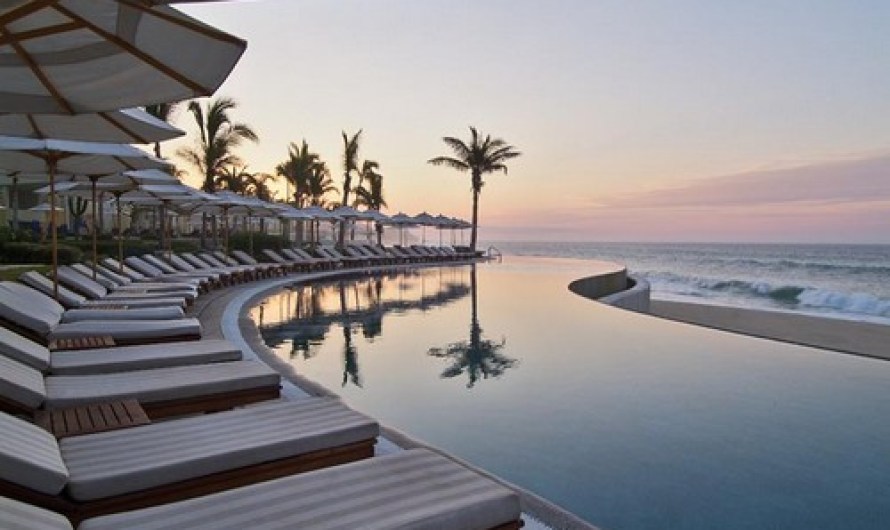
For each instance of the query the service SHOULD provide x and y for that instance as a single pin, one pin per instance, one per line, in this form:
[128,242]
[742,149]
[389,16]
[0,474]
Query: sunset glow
[639,121]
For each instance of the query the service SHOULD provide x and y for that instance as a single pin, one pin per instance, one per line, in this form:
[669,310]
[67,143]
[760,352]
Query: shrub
[20,252]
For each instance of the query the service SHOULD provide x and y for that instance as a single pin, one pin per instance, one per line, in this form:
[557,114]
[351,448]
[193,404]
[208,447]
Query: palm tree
[350,165]
[478,157]
[219,136]
[369,192]
[297,170]
[233,177]
[165,112]
[320,184]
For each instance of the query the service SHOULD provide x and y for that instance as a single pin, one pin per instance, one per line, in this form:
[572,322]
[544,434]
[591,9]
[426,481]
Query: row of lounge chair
[252,459]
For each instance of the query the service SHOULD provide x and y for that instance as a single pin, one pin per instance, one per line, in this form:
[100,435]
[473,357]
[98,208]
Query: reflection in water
[477,356]
[306,313]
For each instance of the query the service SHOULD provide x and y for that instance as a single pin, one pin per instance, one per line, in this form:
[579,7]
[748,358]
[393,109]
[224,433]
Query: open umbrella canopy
[425,219]
[119,126]
[317,212]
[402,219]
[348,212]
[70,157]
[78,56]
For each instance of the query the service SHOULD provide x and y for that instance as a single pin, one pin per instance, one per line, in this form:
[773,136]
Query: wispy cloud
[836,181]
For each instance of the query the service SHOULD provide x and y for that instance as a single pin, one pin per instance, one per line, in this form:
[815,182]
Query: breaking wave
[789,297]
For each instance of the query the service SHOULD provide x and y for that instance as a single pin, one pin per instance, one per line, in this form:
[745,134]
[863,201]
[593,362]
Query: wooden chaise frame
[44,341]
[77,511]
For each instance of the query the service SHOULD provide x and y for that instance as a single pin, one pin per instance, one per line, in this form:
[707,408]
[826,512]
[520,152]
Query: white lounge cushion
[112,463]
[129,330]
[136,313]
[27,309]
[23,350]
[414,489]
[30,456]
[41,283]
[81,283]
[21,383]
[130,358]
[160,384]
[15,515]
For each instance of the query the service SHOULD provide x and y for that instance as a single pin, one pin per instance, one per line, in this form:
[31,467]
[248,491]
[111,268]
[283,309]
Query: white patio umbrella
[424,220]
[318,213]
[401,220]
[350,215]
[69,157]
[379,219]
[77,56]
[164,195]
[124,126]
[75,185]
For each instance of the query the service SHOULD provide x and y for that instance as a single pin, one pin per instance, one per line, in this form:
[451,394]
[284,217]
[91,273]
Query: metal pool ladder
[493,253]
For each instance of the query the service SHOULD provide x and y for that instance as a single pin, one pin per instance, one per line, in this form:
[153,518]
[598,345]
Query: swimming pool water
[629,421]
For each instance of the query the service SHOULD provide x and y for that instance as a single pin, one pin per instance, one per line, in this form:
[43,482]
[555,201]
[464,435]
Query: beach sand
[860,338]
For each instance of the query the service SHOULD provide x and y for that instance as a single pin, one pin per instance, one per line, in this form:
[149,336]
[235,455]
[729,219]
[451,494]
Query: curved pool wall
[236,325]
[612,285]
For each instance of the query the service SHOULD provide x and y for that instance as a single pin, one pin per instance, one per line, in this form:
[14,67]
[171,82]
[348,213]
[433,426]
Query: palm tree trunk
[475,220]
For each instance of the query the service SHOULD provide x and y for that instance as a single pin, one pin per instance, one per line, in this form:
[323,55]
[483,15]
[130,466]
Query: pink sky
[839,201]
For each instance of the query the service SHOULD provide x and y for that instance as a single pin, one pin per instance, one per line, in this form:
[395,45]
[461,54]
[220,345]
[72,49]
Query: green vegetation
[479,157]
[12,273]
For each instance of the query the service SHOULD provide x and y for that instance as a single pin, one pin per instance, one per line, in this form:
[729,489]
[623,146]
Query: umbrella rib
[35,68]
[34,126]
[136,52]
[119,126]
[209,32]
[39,33]
[24,10]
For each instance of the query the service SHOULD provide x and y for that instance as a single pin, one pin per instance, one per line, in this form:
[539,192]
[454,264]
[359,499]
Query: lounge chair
[94,290]
[246,259]
[108,472]
[115,358]
[203,262]
[298,254]
[126,275]
[39,318]
[150,271]
[331,252]
[76,307]
[121,284]
[149,264]
[162,392]
[291,264]
[415,489]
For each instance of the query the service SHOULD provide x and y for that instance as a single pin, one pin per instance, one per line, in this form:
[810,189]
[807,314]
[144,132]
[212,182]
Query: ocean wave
[792,297]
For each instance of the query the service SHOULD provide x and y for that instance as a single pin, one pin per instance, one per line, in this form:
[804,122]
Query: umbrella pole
[52,225]
[15,204]
[95,229]
[250,233]
[226,230]
[120,235]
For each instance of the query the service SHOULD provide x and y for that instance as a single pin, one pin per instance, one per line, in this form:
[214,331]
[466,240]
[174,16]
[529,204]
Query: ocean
[839,281]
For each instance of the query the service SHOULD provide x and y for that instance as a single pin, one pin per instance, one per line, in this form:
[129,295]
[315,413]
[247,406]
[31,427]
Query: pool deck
[847,336]
[224,313]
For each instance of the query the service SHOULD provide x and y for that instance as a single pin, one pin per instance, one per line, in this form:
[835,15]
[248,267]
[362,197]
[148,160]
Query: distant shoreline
[846,336]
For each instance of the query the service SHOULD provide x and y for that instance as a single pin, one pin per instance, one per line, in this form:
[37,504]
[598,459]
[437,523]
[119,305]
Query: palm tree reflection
[478,357]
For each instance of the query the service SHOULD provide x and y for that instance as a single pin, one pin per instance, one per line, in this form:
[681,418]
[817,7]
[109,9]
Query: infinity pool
[629,421]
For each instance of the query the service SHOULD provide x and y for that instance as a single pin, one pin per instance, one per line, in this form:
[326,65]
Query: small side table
[87,419]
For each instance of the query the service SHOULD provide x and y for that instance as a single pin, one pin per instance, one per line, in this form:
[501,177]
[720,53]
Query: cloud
[841,181]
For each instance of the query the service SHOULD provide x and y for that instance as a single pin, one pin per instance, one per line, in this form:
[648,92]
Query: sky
[643,120]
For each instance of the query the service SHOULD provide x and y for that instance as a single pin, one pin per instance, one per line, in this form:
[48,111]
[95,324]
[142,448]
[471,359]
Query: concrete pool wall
[610,284]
